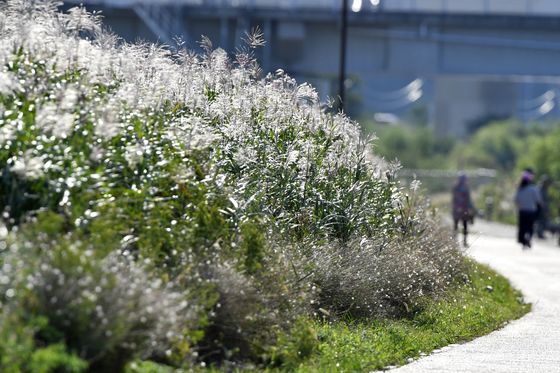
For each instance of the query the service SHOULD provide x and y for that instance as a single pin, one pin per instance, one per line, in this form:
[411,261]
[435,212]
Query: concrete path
[528,345]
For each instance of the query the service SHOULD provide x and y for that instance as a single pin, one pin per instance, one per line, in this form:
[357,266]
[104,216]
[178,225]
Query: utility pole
[342,65]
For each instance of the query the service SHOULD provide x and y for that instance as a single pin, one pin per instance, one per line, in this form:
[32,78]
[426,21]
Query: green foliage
[542,154]
[16,342]
[148,367]
[18,352]
[495,146]
[414,147]
[55,358]
[252,246]
[295,346]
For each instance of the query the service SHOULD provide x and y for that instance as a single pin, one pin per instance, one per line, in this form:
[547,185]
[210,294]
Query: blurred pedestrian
[528,201]
[543,218]
[463,208]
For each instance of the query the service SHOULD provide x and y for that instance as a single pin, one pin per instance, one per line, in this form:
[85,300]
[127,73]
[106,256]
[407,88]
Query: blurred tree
[414,147]
[418,115]
[496,146]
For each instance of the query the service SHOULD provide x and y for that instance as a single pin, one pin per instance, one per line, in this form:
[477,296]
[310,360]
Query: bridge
[456,62]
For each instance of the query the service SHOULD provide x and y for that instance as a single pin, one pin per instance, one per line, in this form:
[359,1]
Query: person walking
[463,208]
[543,218]
[528,201]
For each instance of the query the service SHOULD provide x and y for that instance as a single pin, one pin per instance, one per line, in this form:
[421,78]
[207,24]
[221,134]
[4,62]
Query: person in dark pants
[528,200]
[463,208]
[543,218]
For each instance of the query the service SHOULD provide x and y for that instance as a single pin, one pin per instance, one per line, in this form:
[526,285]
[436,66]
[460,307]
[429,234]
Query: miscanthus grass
[158,205]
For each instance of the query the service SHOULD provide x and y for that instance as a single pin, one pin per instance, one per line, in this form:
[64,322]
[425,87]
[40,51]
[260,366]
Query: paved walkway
[528,345]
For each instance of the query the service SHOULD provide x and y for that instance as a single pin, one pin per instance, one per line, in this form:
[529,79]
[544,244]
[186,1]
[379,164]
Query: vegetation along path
[530,344]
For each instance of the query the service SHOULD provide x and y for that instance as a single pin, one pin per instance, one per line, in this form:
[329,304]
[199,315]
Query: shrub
[255,308]
[388,277]
[54,358]
[162,204]
[296,345]
[107,308]
[16,340]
